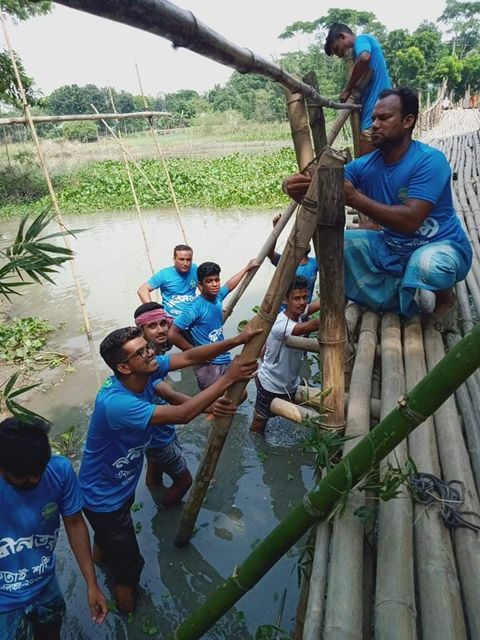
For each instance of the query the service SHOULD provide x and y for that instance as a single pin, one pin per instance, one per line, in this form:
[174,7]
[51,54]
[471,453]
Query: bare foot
[446,301]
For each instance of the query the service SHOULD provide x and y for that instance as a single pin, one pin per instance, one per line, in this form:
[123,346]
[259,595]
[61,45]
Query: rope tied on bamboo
[408,412]
[427,489]
[321,341]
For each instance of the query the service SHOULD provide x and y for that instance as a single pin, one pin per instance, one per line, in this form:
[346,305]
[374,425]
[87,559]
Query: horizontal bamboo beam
[183,29]
[87,116]
[303,344]
[298,413]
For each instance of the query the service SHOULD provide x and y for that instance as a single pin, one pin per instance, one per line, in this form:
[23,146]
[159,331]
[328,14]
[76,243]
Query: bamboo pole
[86,116]
[303,344]
[456,466]
[184,29]
[425,398]
[53,196]
[163,161]
[297,244]
[354,115]
[134,192]
[395,613]
[298,412]
[344,609]
[329,250]
[302,145]
[139,169]
[434,559]
[316,116]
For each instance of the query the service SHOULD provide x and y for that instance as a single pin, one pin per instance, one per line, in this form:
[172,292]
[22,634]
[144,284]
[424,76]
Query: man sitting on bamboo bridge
[121,428]
[404,186]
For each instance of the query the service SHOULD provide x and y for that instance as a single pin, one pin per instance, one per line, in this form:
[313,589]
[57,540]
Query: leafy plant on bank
[68,442]
[22,341]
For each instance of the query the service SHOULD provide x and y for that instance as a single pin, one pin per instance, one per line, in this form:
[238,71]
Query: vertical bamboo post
[133,190]
[297,244]
[329,250]
[5,142]
[316,115]
[51,191]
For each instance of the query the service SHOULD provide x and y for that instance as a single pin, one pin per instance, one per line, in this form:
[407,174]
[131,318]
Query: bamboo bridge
[408,573]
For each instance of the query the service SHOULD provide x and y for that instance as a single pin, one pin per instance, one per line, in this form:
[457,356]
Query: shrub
[83,131]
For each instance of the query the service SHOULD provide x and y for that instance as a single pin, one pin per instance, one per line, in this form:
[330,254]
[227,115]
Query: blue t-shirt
[309,270]
[204,319]
[423,173]
[380,79]
[177,289]
[29,526]
[118,434]
[162,434]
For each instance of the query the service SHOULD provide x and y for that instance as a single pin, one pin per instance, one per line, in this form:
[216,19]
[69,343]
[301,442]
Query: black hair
[181,247]
[111,347]
[24,447]
[207,269]
[335,31]
[408,100]
[146,306]
[299,282]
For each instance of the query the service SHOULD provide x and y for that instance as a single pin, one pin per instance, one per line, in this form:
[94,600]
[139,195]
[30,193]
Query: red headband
[155,315]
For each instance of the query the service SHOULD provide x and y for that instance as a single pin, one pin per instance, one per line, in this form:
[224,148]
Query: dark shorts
[48,608]
[169,458]
[264,400]
[207,374]
[115,536]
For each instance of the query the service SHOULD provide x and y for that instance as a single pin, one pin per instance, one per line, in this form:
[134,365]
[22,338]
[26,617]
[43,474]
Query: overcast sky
[71,47]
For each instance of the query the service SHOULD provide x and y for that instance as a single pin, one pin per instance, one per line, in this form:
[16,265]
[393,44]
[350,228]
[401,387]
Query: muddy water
[257,479]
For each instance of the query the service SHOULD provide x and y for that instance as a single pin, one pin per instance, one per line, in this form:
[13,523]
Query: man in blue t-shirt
[37,488]
[369,73]
[307,268]
[121,427]
[177,284]
[203,319]
[422,251]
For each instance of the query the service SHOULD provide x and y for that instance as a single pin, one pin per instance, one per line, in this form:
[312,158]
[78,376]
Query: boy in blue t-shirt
[203,319]
[370,69]
[308,267]
[177,284]
[121,428]
[37,488]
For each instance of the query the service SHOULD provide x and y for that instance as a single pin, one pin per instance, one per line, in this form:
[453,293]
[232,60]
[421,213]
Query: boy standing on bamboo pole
[405,187]
[203,319]
[279,373]
[369,59]
[177,284]
[120,429]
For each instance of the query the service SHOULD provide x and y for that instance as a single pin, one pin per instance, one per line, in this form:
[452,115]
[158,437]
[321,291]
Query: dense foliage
[229,181]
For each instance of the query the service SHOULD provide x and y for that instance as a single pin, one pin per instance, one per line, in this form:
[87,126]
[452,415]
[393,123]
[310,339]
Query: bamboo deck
[410,577]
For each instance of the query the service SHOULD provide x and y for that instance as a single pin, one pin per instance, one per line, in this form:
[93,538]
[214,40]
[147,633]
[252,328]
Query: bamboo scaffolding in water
[413,409]
[134,193]
[298,241]
[434,558]
[184,29]
[53,196]
[86,116]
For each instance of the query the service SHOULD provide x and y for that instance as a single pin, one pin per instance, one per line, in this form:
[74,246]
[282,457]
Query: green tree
[463,22]
[428,39]
[449,67]
[73,99]
[20,10]
[358,21]
[471,71]
[83,131]
[410,68]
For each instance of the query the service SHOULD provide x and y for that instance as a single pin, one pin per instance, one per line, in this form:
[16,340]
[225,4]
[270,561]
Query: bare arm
[273,256]
[176,338]
[302,328]
[313,307]
[182,414]
[361,67]
[77,534]
[236,279]
[143,292]
[171,396]
[403,218]
[198,355]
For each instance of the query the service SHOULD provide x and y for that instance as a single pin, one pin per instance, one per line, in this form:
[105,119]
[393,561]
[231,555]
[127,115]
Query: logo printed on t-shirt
[429,228]
[216,335]
[403,194]
[50,510]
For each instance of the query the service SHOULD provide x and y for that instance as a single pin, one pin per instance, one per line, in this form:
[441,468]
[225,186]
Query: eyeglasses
[141,353]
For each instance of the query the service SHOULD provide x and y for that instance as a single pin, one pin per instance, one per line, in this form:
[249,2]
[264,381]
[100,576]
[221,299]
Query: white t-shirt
[280,370]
